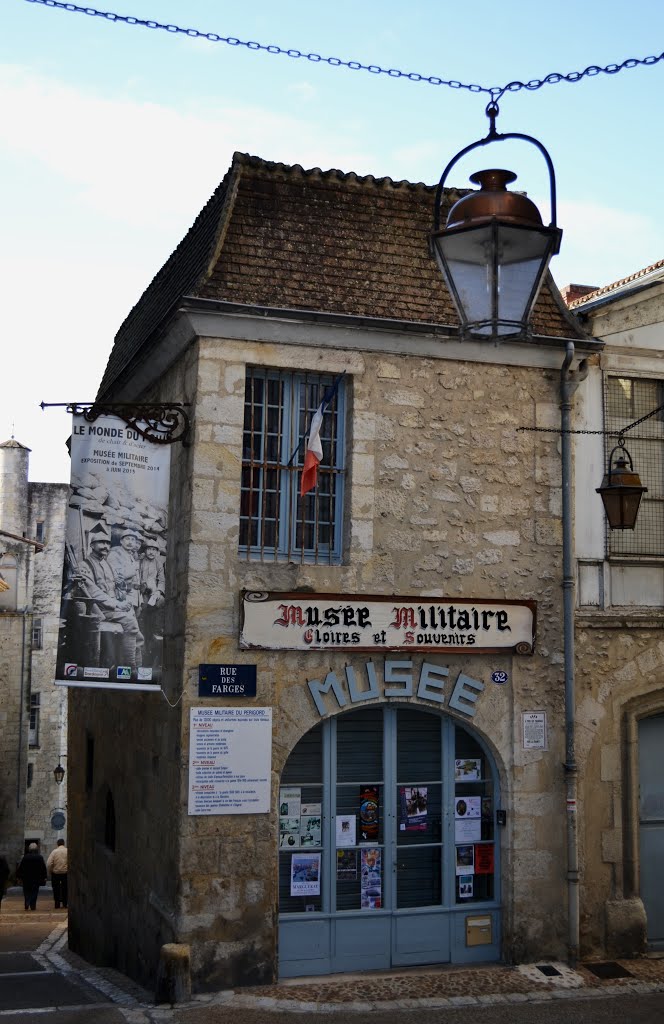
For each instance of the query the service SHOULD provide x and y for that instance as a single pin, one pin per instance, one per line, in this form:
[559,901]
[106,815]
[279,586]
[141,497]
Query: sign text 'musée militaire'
[296,621]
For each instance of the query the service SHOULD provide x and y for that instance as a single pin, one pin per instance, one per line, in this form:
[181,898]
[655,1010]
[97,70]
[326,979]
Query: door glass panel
[360,746]
[300,825]
[418,809]
[474,815]
[419,877]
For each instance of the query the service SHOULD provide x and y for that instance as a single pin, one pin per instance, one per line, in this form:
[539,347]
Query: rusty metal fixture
[621,490]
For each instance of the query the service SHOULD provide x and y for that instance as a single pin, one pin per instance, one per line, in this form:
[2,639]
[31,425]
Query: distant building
[33,712]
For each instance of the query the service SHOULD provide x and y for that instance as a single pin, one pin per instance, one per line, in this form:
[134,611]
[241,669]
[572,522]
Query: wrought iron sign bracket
[158,422]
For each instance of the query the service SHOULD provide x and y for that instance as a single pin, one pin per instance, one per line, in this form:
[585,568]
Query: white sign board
[314,622]
[534,730]
[230,760]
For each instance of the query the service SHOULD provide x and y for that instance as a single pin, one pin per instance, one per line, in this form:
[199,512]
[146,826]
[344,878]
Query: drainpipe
[569,382]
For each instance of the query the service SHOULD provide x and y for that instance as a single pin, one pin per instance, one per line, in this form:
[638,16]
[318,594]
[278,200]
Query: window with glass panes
[275,522]
[628,399]
[37,633]
[33,733]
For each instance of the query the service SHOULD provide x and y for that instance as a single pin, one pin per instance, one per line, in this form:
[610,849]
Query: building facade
[32,710]
[620,618]
[377,665]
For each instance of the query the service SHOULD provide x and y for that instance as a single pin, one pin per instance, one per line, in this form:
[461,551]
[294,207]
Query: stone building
[620,652]
[33,712]
[402,622]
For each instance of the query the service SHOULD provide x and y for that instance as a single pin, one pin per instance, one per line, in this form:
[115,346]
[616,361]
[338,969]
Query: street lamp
[493,249]
[621,490]
[59,773]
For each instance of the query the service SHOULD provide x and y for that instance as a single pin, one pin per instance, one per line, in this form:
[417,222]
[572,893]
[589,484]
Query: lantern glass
[621,507]
[494,272]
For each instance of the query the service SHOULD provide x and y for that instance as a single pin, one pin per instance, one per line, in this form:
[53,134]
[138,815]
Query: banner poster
[465,886]
[484,859]
[310,826]
[413,804]
[305,874]
[371,882]
[369,814]
[113,585]
[346,864]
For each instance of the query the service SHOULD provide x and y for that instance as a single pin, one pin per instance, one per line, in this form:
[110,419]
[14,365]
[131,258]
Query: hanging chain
[620,434]
[496,92]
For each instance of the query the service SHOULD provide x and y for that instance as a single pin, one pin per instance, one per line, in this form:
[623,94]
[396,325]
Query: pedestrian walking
[57,866]
[31,873]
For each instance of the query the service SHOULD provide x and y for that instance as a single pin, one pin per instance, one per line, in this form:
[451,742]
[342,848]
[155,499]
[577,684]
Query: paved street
[41,981]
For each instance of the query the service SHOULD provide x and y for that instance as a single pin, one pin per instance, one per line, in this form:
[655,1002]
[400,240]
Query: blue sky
[113,137]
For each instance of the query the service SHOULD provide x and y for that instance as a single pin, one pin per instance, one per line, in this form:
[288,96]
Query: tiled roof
[617,285]
[283,237]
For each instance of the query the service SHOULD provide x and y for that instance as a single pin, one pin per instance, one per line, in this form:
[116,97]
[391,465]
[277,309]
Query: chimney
[571,292]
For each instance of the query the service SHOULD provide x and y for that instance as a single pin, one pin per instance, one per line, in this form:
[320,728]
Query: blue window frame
[275,522]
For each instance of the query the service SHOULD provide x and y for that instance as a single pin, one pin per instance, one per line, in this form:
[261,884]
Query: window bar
[280,468]
[265,433]
[252,435]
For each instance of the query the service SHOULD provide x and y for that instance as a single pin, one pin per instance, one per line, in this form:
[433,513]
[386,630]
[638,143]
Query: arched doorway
[387,852]
[651,826]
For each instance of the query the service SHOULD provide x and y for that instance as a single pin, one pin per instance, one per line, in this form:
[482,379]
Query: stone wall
[14,688]
[620,678]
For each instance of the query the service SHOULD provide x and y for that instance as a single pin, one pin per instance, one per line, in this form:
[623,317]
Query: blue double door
[387,852]
[651,826]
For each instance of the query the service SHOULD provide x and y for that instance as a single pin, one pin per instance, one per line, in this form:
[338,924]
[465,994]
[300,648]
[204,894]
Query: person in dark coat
[4,875]
[31,873]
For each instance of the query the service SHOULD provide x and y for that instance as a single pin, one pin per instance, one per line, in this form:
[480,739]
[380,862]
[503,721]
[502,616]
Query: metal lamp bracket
[158,422]
[492,112]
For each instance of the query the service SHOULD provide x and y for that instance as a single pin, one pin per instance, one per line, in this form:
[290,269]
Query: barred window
[33,728]
[40,531]
[37,633]
[626,400]
[275,522]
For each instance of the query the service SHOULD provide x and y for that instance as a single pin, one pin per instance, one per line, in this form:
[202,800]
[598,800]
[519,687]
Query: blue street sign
[226,680]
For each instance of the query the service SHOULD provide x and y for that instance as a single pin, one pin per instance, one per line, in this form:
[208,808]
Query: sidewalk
[33,949]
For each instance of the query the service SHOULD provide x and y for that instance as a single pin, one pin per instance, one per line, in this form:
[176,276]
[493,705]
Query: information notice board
[230,760]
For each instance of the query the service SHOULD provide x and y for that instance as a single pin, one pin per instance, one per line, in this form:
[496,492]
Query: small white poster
[305,874]
[534,730]
[467,830]
[345,830]
[465,886]
[468,769]
[230,760]
[290,802]
[310,830]
[468,807]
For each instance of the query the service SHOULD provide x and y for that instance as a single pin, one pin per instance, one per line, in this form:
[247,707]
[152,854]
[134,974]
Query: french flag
[314,452]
